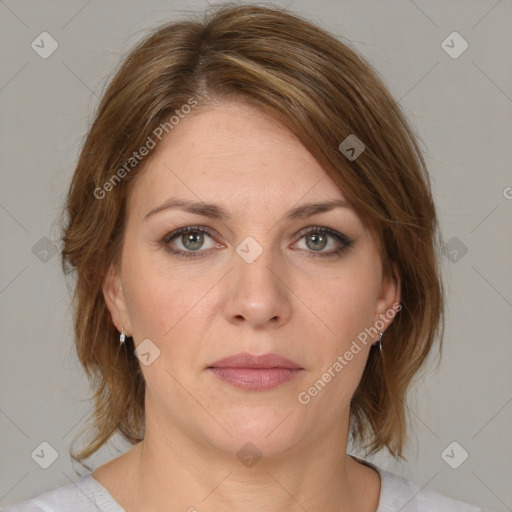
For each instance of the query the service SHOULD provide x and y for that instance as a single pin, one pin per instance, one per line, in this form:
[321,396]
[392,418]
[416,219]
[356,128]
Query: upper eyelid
[342,238]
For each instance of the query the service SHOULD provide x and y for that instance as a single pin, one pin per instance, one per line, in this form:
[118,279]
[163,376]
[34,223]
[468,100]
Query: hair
[323,91]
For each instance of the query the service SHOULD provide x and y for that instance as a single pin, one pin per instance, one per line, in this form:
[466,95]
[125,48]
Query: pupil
[193,241]
[319,239]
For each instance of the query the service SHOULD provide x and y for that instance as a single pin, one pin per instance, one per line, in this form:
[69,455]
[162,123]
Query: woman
[255,246]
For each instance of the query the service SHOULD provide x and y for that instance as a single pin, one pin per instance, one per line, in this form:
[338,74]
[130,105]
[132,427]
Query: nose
[258,294]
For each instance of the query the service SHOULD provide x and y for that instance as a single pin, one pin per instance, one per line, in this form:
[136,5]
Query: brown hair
[321,90]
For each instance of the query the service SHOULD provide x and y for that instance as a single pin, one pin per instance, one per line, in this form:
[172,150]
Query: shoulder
[83,496]
[398,493]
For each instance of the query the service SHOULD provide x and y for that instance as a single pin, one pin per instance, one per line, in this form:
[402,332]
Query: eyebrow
[216,211]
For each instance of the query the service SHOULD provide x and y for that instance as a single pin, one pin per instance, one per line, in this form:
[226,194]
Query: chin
[265,431]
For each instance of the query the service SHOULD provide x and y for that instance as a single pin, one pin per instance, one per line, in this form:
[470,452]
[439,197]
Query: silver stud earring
[379,342]
[122,337]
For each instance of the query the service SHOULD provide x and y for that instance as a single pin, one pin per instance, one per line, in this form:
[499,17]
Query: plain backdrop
[460,105]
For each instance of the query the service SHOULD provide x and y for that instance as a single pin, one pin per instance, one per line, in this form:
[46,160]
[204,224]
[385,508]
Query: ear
[115,301]
[388,303]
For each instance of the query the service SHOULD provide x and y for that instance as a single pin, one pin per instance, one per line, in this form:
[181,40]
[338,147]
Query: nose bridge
[258,292]
[254,262]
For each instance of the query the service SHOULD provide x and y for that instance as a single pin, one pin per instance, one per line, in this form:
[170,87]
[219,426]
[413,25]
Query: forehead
[233,153]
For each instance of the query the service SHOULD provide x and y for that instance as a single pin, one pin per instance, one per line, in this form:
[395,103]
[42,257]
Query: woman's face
[257,281]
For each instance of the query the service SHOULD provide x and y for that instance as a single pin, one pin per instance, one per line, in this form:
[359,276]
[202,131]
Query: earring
[379,342]
[122,337]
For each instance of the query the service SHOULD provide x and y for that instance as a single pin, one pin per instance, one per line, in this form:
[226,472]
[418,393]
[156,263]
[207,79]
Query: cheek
[347,307]
[166,302]
[155,307]
[154,301]
[346,302]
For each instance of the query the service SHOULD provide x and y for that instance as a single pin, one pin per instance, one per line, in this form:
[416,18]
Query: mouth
[255,373]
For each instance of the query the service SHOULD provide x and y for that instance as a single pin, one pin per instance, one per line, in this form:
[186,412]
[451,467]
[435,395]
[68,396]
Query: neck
[186,475]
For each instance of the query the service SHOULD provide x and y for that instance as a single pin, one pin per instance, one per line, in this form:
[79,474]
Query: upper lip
[246,360]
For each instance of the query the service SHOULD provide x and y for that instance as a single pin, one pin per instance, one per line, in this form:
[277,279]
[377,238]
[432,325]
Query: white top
[397,493]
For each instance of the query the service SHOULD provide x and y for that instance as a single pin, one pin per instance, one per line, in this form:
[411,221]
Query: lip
[246,360]
[255,373]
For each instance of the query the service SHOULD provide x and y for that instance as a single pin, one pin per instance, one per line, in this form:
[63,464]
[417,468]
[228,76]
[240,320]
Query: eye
[194,241]
[188,240]
[318,238]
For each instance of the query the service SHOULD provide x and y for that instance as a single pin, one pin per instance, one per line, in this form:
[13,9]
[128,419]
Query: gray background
[461,108]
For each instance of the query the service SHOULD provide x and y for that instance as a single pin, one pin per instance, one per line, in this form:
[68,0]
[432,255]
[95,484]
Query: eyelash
[344,241]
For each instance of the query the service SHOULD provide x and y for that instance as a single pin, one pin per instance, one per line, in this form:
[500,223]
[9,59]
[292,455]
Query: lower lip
[256,379]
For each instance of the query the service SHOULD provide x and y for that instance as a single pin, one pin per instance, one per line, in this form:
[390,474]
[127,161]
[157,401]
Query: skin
[290,301]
